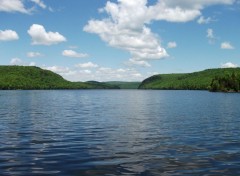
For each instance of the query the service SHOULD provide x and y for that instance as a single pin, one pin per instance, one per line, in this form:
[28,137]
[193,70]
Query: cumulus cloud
[41,37]
[229,65]
[13,6]
[71,53]
[226,45]
[142,43]
[34,54]
[8,35]
[129,31]
[87,65]
[172,45]
[126,30]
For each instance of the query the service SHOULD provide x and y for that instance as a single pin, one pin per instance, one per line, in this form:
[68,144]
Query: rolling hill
[187,81]
[28,78]
[124,85]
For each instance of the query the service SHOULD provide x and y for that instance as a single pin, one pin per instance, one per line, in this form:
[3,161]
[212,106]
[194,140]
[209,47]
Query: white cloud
[210,36]
[34,54]
[13,6]
[8,35]
[172,45]
[229,65]
[71,53]
[98,74]
[32,64]
[138,63]
[40,3]
[128,31]
[141,43]
[59,70]
[87,71]
[110,74]
[18,6]
[41,37]
[87,65]
[226,45]
[203,20]
[16,61]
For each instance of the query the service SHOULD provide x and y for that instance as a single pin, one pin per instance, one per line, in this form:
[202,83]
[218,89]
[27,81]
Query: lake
[119,132]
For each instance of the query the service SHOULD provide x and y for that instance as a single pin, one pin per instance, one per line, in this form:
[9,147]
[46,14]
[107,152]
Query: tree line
[226,83]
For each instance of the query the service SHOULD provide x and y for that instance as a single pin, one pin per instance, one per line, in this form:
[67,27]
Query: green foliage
[125,85]
[225,83]
[101,85]
[187,81]
[27,78]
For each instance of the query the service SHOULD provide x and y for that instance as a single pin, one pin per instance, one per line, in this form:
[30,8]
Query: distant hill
[26,77]
[187,81]
[30,78]
[102,85]
[125,85]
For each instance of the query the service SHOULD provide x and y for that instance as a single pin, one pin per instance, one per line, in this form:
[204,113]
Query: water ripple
[119,133]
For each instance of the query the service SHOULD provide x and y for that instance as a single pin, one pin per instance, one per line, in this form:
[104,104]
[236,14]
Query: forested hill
[191,81]
[26,77]
[125,85]
[30,78]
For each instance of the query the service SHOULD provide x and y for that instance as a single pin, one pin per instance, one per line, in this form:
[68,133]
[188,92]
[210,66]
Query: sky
[120,40]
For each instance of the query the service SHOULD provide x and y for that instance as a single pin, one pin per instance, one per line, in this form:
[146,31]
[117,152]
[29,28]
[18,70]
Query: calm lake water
[119,132]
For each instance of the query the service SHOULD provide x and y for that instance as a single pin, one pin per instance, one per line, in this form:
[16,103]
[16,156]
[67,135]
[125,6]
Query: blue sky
[120,39]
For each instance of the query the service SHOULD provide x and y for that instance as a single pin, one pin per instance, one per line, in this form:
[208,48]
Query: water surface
[119,132]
